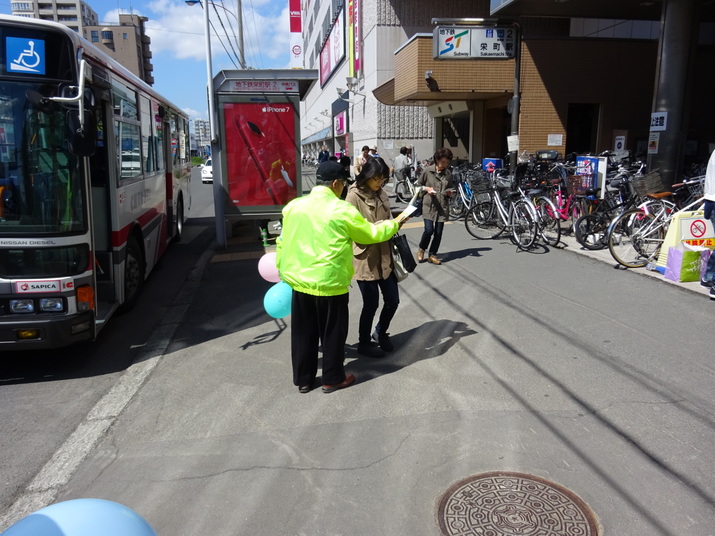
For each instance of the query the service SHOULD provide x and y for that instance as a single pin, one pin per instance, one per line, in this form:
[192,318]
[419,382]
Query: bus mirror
[39,101]
[82,139]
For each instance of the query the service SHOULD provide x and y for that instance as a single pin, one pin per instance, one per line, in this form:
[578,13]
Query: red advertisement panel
[261,153]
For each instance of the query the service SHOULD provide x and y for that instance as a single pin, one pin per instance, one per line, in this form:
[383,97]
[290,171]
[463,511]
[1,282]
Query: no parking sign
[697,231]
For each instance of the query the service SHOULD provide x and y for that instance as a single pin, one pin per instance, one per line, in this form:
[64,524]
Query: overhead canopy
[321,135]
[599,9]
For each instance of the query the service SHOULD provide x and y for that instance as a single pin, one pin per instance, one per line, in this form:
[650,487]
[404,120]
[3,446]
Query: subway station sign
[474,42]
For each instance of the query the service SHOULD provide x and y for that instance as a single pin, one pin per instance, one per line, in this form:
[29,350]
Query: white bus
[94,184]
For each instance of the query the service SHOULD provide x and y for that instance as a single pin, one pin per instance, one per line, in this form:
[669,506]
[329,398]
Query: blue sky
[177,42]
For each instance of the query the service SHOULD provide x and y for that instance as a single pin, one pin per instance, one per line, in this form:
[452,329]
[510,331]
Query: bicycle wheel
[483,221]
[456,206]
[403,192]
[549,221]
[634,238]
[576,210]
[524,225]
[591,231]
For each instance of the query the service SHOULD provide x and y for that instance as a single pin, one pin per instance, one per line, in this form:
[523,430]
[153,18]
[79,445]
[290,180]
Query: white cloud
[194,114]
[177,29]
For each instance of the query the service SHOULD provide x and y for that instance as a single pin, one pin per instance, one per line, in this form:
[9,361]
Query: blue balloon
[82,517]
[277,300]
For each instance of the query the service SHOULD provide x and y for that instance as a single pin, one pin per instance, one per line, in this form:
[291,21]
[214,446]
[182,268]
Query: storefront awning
[318,136]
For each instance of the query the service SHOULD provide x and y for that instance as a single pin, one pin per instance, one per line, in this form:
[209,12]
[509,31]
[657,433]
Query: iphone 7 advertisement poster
[261,152]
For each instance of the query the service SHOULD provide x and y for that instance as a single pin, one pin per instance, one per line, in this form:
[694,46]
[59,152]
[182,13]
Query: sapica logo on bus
[26,287]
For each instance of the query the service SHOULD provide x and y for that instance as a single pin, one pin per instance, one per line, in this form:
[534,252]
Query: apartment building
[127,43]
[202,136]
[578,77]
[74,14]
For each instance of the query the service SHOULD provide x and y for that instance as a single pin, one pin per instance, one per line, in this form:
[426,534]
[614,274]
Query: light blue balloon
[82,517]
[277,300]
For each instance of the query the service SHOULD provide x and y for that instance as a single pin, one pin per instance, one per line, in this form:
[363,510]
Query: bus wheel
[133,274]
[179,225]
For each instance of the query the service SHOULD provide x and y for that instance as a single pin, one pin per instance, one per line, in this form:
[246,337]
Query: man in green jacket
[314,255]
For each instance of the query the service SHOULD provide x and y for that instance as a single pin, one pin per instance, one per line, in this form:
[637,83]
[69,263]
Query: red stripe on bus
[119,238]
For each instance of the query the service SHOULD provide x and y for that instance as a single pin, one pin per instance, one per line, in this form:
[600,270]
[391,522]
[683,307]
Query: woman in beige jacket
[373,263]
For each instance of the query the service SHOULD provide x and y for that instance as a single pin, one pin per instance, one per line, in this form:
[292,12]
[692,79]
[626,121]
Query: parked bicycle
[405,181]
[636,236]
[506,210]
[464,177]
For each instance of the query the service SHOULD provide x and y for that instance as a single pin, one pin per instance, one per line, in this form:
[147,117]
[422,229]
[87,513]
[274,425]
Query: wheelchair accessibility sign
[25,55]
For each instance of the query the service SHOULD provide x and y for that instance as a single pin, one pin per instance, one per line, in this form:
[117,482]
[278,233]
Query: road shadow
[462,254]
[427,341]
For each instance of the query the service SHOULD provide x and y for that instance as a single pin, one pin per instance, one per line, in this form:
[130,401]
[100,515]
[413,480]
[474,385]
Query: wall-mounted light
[431,82]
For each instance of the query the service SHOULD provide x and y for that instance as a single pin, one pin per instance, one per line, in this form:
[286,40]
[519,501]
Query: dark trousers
[432,228]
[318,320]
[370,299]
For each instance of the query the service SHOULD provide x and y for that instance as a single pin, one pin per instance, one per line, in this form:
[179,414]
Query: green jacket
[314,253]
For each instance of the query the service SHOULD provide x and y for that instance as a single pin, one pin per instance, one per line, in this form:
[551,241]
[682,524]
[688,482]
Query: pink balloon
[268,269]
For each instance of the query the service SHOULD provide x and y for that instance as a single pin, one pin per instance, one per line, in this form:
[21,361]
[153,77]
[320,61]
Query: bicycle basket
[480,183]
[696,187]
[647,184]
[505,181]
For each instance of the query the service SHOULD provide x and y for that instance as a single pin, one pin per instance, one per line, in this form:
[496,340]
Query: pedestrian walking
[360,160]
[373,263]
[314,256]
[346,162]
[323,155]
[437,182]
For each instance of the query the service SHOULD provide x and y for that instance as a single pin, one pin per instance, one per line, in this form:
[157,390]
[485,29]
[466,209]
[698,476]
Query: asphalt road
[545,362]
[44,395]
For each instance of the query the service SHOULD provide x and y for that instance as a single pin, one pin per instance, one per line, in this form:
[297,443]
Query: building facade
[201,130]
[74,14]
[127,43]
[584,79]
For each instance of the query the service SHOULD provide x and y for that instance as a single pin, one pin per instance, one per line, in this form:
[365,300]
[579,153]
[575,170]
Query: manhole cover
[506,504]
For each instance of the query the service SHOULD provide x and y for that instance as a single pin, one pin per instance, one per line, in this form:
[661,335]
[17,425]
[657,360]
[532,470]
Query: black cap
[331,170]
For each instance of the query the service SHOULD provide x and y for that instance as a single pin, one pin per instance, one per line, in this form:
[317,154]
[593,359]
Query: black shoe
[706,284]
[370,349]
[712,293]
[383,340]
[305,388]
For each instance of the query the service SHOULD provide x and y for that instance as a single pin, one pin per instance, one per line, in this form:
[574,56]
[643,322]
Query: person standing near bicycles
[402,164]
[437,182]
[709,195]
[373,262]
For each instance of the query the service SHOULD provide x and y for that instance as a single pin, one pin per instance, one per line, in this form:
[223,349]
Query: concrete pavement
[218,441]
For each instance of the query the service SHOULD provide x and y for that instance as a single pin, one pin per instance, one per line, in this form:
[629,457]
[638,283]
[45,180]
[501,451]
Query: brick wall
[617,75]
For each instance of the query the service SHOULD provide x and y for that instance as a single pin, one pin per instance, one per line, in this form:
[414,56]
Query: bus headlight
[22,306]
[52,305]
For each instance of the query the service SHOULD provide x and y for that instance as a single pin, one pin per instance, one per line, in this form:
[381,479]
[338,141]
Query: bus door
[101,177]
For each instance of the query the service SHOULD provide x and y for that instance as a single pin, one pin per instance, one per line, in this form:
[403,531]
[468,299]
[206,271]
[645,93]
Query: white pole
[217,186]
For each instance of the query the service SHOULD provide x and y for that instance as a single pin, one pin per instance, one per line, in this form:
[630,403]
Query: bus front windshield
[40,182]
